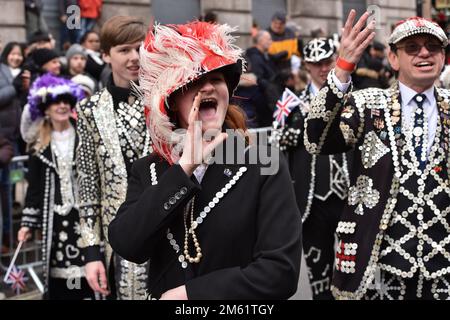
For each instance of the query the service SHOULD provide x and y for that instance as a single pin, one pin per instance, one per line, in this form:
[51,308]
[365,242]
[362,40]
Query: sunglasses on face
[413,49]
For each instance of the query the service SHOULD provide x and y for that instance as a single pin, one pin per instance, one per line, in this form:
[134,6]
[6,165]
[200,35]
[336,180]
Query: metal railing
[30,254]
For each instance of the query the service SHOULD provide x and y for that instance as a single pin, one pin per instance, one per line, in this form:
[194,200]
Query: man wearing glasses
[394,233]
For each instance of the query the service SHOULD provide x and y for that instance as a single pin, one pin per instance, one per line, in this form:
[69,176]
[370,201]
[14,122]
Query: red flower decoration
[437,169]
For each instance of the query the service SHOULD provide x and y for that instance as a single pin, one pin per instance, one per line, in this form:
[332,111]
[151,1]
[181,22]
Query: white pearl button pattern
[346,227]
[154,178]
[206,210]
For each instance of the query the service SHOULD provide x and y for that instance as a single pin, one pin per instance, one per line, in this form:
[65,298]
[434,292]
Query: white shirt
[313,89]
[15,71]
[408,107]
[61,139]
[200,171]
[95,56]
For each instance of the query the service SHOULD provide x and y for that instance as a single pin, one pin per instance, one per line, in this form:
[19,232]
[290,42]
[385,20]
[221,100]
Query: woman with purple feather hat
[50,203]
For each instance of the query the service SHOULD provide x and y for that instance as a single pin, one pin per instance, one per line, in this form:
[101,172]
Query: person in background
[76,58]
[41,61]
[39,51]
[267,74]
[11,60]
[210,16]
[39,40]
[95,64]
[370,71]
[87,84]
[34,18]
[6,154]
[68,35]
[320,182]
[113,135]
[50,202]
[91,11]
[284,42]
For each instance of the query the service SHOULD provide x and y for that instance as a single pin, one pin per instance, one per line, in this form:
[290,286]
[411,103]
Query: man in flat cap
[394,232]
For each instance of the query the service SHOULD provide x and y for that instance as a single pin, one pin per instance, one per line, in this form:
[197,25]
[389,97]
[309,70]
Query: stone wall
[235,13]
[139,8]
[312,14]
[309,14]
[12,21]
[392,11]
[328,14]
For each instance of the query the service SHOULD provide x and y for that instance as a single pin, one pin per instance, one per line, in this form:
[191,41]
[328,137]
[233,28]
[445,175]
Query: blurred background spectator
[34,18]
[91,11]
[284,42]
[94,64]
[68,36]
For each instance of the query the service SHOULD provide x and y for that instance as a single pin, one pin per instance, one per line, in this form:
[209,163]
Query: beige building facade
[308,14]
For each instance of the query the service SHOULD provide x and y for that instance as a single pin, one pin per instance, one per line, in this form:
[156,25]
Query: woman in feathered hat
[50,203]
[212,230]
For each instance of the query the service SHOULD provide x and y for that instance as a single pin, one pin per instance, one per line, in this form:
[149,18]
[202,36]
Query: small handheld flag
[17,280]
[285,105]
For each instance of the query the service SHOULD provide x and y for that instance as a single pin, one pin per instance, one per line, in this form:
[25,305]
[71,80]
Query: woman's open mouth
[208,108]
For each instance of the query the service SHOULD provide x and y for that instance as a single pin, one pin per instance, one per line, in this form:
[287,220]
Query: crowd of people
[124,132]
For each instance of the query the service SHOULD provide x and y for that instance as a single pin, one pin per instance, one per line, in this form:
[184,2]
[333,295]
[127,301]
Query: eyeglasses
[413,49]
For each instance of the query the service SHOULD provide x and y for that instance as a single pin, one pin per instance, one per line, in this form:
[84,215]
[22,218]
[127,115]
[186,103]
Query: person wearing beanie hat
[47,60]
[211,229]
[112,130]
[75,50]
[393,229]
[320,182]
[75,60]
[76,68]
[50,200]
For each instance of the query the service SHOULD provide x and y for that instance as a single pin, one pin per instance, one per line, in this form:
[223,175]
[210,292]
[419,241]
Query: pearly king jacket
[369,121]
[314,177]
[102,179]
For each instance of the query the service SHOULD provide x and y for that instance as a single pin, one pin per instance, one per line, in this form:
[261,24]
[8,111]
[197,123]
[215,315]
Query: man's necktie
[418,130]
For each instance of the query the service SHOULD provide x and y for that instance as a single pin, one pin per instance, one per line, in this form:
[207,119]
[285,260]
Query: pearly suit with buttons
[395,223]
[320,185]
[247,224]
[102,156]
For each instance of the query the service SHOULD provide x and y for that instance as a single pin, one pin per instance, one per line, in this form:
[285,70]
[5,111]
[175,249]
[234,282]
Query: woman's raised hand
[197,145]
[24,234]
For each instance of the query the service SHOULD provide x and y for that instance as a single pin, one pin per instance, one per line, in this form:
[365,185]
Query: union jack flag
[17,279]
[284,106]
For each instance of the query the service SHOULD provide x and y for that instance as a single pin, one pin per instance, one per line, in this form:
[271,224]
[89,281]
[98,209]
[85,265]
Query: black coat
[365,120]
[250,240]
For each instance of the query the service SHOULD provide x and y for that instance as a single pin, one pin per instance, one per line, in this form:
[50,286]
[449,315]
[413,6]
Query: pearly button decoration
[153,176]
[204,213]
[346,227]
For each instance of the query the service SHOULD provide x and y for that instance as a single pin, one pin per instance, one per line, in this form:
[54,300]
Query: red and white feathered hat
[171,57]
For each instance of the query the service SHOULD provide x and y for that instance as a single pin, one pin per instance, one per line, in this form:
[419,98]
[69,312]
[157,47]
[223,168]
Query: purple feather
[47,88]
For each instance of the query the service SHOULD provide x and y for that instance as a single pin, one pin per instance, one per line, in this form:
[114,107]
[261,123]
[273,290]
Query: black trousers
[319,244]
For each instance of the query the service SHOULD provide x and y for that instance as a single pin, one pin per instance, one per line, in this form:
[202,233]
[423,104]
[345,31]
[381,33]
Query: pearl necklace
[191,231]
